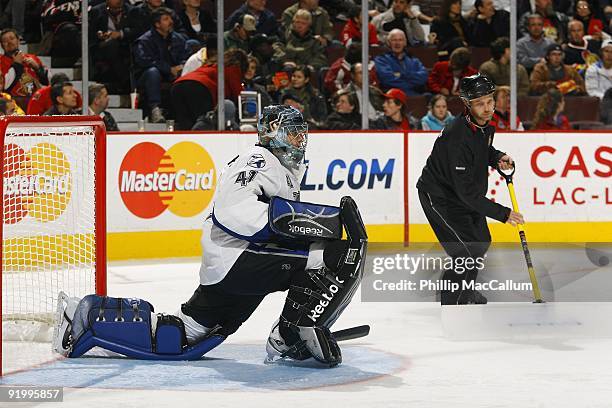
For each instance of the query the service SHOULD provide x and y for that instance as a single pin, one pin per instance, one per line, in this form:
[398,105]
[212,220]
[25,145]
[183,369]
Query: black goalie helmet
[475,86]
[282,129]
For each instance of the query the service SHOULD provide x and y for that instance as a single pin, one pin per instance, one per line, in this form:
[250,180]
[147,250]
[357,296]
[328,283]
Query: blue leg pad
[124,326]
[194,352]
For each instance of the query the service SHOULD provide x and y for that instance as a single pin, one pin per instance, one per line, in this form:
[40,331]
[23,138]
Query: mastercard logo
[181,179]
[36,183]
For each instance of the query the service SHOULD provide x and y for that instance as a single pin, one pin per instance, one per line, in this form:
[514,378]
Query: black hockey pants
[463,234]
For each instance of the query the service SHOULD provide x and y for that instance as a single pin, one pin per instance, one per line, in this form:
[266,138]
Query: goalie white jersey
[240,209]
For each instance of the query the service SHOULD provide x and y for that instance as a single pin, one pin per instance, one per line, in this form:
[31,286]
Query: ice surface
[425,369]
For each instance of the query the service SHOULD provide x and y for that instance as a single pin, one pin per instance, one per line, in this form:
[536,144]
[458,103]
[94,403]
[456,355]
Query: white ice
[433,371]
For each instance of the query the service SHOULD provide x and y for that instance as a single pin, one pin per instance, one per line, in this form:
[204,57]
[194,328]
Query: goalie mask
[282,130]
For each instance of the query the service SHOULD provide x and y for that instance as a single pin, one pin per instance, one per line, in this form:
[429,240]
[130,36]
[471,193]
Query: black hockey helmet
[475,86]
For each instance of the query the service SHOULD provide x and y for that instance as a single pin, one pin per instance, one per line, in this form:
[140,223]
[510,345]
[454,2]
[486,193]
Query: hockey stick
[534,281]
[352,333]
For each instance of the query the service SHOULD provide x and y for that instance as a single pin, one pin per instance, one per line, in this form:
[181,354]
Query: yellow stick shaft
[534,281]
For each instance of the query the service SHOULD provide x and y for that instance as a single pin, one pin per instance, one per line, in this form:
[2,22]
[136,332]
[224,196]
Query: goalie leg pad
[124,326]
[316,298]
[121,321]
[306,342]
[320,342]
[170,337]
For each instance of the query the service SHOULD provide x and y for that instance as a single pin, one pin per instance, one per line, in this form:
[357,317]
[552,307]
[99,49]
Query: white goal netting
[49,224]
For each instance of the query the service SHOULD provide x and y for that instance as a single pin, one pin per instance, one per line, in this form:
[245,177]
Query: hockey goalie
[258,239]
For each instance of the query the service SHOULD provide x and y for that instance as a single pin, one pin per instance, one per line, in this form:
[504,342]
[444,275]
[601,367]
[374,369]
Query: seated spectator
[605,108]
[16,9]
[198,23]
[98,102]
[320,25]
[552,73]
[24,74]
[61,20]
[346,112]
[445,76]
[11,106]
[110,45]
[266,20]
[531,49]
[396,116]
[210,120]
[598,77]
[376,97]
[40,102]
[501,116]
[205,55]
[549,112]
[291,99]
[563,6]
[239,35]
[339,75]
[252,82]
[396,69]
[139,18]
[303,48]
[579,51]
[498,67]
[315,108]
[438,115]
[338,9]
[262,48]
[594,26]
[3,107]
[554,23]
[416,10]
[450,24]
[195,93]
[352,29]
[400,15]
[63,97]
[280,81]
[159,57]
[489,24]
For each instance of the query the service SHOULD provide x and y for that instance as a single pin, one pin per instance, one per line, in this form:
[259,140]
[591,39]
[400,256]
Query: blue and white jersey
[240,209]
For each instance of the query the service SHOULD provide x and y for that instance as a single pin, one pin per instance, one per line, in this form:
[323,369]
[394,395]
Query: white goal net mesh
[48,237]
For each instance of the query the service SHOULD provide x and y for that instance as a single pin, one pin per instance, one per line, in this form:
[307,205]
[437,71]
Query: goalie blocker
[315,300]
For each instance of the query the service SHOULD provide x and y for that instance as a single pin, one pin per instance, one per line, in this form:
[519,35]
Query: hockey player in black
[258,239]
[453,185]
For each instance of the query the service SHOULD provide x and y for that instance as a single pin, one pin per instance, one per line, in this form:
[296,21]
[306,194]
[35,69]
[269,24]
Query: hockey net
[53,220]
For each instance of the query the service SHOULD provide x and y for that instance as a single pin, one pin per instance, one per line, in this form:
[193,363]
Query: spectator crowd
[307,53]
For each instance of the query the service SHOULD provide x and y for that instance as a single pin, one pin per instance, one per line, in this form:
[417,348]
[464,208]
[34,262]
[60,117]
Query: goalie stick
[352,333]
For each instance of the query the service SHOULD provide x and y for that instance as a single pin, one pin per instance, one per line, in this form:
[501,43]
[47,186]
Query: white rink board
[371,171]
[367,166]
[560,177]
[221,147]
